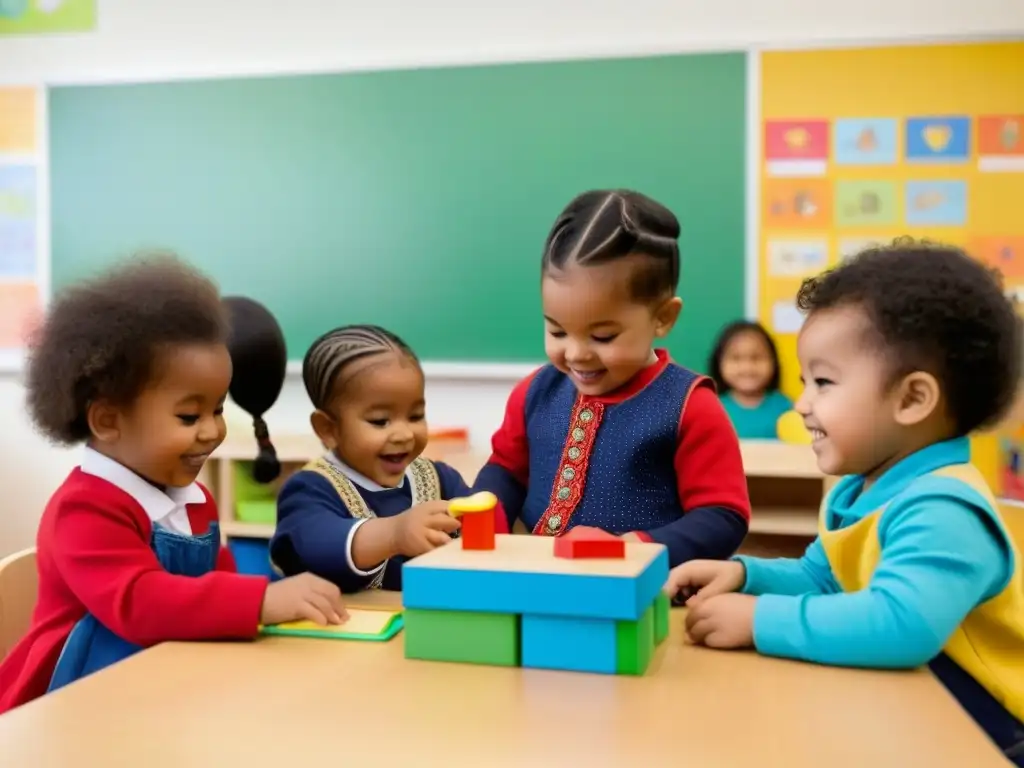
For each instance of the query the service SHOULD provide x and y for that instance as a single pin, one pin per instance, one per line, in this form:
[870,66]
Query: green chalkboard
[417,199]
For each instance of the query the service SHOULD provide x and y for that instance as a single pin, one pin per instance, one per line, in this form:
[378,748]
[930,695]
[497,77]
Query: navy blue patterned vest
[606,465]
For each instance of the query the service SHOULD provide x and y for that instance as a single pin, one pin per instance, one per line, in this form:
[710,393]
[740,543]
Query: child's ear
[325,428]
[917,398]
[104,421]
[666,315]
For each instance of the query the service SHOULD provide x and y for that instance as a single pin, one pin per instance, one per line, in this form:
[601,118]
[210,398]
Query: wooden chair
[19,584]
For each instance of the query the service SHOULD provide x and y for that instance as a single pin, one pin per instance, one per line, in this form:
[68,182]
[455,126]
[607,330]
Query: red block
[478,530]
[584,542]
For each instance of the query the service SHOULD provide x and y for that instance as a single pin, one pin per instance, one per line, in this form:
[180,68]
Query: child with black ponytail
[259,358]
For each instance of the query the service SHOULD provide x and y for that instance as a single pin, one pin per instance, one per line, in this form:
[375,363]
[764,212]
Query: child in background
[612,434]
[906,350]
[134,365]
[745,368]
[371,502]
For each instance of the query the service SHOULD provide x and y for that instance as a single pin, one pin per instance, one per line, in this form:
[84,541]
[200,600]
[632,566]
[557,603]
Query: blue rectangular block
[577,645]
[522,575]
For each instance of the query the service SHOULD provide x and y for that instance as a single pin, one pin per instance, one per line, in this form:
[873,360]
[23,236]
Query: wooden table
[285,701]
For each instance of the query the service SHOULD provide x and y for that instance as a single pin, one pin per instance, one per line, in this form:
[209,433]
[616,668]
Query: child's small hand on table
[422,528]
[303,597]
[699,580]
[722,621]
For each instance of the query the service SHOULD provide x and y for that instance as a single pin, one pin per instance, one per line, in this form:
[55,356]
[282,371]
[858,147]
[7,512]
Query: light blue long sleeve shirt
[942,555]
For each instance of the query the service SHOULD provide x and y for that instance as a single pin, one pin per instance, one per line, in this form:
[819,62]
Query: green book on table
[362,624]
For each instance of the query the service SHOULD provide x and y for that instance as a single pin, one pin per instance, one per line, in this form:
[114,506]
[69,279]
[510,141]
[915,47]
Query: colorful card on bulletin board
[902,158]
[866,203]
[866,141]
[362,624]
[790,257]
[31,17]
[19,116]
[938,139]
[797,203]
[1001,143]
[1004,253]
[18,194]
[796,147]
[936,203]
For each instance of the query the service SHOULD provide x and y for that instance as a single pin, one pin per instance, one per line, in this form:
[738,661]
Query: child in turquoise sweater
[745,368]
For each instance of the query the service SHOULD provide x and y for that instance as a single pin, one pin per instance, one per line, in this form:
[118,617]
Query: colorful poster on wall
[21,273]
[32,17]
[858,147]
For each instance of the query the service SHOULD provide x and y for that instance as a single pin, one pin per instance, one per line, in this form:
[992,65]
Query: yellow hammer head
[478,502]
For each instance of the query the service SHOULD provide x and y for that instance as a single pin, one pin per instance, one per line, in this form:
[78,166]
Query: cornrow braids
[337,349]
[601,226]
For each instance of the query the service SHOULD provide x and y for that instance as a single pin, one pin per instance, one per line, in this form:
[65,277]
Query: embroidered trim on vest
[571,478]
[425,486]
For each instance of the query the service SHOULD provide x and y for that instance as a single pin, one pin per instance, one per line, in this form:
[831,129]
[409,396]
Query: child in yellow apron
[906,350]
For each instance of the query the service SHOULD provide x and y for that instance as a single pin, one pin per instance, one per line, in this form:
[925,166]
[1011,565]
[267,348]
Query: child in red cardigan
[134,365]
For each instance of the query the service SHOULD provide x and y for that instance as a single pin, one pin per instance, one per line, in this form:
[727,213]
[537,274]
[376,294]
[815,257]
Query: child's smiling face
[595,332]
[747,365]
[849,405]
[169,431]
[377,423]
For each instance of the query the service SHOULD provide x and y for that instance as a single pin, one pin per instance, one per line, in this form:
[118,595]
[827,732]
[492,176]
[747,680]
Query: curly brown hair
[101,339]
[933,308]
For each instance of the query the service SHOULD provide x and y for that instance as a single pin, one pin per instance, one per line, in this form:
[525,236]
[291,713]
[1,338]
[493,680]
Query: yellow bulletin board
[863,145]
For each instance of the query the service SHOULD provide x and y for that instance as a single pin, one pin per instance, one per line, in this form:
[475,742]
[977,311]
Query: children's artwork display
[859,146]
[21,182]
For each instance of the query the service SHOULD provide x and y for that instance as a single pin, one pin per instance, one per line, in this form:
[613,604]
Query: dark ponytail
[260,359]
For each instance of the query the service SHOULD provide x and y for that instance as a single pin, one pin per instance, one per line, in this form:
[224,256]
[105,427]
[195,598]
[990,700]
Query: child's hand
[699,580]
[422,528]
[303,597]
[722,621]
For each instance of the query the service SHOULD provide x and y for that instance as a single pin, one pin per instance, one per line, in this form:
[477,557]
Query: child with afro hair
[133,365]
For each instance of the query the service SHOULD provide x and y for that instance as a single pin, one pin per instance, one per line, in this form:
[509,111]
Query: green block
[634,642]
[661,613]
[462,636]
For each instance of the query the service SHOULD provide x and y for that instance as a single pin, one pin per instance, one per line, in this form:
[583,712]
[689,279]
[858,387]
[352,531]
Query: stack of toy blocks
[586,601]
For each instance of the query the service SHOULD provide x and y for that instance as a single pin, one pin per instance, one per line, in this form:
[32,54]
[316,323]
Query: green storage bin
[254,502]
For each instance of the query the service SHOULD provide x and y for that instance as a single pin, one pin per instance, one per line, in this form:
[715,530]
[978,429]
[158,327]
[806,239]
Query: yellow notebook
[362,624]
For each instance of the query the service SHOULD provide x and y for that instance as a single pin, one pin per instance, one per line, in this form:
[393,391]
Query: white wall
[157,39]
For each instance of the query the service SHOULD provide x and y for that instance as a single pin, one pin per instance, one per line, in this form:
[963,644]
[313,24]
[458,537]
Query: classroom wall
[154,39]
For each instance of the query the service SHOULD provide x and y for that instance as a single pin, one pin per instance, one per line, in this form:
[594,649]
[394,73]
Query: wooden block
[478,530]
[522,575]
[635,644]
[580,543]
[577,645]
[470,638]
[662,605]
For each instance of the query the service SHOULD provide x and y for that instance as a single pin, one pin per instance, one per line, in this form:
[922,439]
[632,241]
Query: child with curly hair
[906,351]
[133,365]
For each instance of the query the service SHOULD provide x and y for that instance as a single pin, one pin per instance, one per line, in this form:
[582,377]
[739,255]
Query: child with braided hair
[372,501]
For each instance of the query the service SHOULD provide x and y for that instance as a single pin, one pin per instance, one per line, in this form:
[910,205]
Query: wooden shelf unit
[785,486]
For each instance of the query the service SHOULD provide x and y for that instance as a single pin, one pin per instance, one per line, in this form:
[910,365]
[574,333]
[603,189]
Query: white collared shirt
[365,483]
[164,508]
